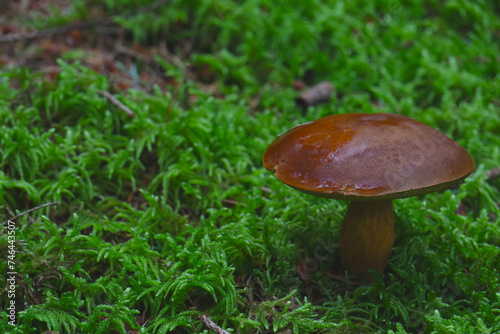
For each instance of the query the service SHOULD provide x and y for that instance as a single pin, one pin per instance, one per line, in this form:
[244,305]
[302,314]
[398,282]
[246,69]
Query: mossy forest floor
[170,215]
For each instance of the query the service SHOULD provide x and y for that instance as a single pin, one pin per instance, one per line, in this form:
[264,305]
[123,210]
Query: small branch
[342,279]
[10,38]
[117,103]
[229,202]
[315,95]
[31,210]
[132,53]
[211,325]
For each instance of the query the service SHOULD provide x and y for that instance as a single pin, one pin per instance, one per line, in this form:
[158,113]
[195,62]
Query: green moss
[170,215]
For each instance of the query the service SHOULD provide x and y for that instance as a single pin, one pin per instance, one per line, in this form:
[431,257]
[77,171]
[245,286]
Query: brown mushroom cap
[367,156]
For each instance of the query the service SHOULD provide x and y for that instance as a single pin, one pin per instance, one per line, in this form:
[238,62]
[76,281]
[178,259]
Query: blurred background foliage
[170,214]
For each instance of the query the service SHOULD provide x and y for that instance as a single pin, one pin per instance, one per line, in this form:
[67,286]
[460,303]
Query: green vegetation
[170,214]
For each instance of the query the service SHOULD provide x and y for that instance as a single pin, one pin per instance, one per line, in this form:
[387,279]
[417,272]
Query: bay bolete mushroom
[368,159]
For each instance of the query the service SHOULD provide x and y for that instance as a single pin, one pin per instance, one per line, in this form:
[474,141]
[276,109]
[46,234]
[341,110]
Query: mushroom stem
[367,236]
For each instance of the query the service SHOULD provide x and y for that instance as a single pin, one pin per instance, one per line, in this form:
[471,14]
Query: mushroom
[368,159]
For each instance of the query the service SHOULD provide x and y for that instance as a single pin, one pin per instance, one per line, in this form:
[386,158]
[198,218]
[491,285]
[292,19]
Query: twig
[212,325]
[10,38]
[170,57]
[31,210]
[229,202]
[117,103]
[342,279]
[133,53]
[267,190]
[315,95]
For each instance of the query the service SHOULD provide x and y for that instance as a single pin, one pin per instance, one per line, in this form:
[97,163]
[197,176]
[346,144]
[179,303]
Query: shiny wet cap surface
[363,156]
